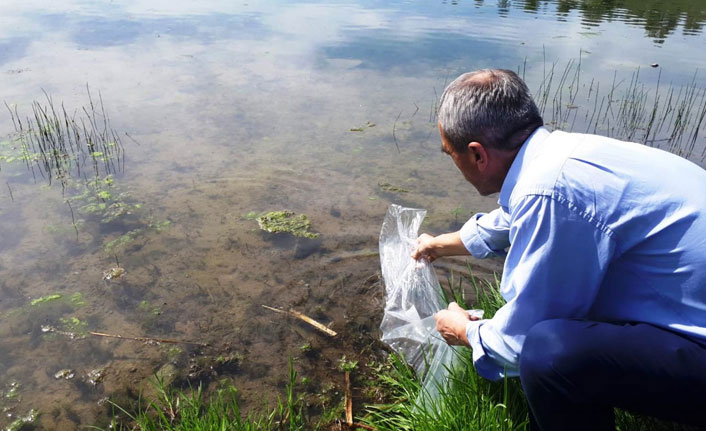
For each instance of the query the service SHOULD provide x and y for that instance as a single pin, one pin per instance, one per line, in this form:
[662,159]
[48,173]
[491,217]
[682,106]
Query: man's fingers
[422,250]
[455,307]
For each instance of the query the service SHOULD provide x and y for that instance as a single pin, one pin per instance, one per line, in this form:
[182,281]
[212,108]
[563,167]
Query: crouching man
[605,262]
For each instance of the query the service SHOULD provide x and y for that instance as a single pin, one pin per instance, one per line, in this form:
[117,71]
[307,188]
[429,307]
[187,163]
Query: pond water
[224,110]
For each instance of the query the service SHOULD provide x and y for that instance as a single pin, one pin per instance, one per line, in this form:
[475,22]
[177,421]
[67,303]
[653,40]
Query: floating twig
[148,339]
[323,328]
[8,188]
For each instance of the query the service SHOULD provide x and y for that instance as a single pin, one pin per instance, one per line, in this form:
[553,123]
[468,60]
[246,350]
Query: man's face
[465,162]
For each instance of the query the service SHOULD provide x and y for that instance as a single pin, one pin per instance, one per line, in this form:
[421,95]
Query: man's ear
[478,155]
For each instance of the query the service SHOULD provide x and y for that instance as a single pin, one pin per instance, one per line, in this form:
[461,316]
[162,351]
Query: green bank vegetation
[176,410]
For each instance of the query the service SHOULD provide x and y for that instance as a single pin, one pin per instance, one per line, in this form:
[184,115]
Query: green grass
[467,401]
[176,410]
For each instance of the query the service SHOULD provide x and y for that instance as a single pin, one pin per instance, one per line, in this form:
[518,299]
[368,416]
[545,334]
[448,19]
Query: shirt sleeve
[553,269]
[486,234]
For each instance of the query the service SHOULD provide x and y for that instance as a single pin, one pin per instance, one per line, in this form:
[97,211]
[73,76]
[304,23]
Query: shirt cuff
[472,241]
[484,364]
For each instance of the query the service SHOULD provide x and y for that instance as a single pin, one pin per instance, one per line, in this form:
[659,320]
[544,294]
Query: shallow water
[248,107]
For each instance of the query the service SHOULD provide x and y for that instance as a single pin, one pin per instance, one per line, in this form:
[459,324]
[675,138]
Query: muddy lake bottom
[203,279]
[249,345]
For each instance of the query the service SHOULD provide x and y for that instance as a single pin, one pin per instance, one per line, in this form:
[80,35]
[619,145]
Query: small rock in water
[65,374]
[113,273]
[654,65]
[96,376]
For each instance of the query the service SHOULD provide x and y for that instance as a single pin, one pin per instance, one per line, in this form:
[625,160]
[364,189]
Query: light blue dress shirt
[591,228]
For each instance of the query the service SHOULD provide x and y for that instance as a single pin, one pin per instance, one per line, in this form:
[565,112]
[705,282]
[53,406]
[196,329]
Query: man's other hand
[451,324]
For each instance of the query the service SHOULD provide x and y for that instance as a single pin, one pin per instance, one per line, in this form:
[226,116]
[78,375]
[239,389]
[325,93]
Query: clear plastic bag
[413,296]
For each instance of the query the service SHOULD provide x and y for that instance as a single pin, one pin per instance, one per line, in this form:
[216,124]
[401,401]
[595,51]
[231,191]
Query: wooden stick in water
[307,319]
[147,339]
[349,400]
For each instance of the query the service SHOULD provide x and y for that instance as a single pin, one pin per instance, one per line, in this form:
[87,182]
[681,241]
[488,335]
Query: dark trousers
[574,372]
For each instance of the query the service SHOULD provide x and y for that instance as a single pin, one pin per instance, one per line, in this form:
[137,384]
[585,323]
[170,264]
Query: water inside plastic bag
[413,296]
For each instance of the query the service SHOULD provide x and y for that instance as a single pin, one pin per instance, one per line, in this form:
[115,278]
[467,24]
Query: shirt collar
[524,156]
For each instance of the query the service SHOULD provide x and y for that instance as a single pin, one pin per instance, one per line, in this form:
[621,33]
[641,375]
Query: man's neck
[501,161]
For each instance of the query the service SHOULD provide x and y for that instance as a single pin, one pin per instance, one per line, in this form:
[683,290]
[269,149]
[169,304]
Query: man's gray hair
[490,106]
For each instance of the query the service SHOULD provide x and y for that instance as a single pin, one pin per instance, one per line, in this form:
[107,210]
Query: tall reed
[60,146]
[668,116]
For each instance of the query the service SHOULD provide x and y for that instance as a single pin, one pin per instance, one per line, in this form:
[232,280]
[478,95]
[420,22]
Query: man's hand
[451,324]
[433,247]
[425,248]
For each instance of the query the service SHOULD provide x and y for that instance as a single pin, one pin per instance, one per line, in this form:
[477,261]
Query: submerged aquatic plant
[101,199]
[346,365]
[54,144]
[286,221]
[362,128]
[13,391]
[21,422]
[75,326]
[387,187]
[77,300]
[45,299]
[82,152]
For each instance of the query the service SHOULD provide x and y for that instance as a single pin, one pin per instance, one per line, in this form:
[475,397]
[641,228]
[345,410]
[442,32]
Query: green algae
[102,199]
[145,307]
[29,419]
[121,241]
[77,300]
[362,128]
[157,226]
[387,187]
[13,391]
[286,221]
[346,365]
[45,299]
[74,325]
